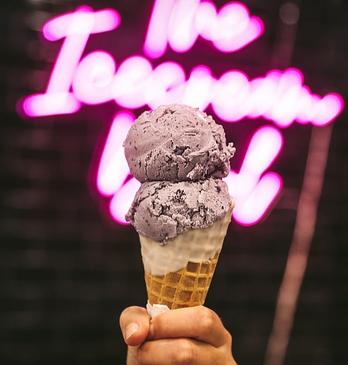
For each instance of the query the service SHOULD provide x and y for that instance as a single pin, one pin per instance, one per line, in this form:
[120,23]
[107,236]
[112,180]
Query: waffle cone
[188,286]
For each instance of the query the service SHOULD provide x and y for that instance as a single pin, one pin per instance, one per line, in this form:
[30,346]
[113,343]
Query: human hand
[194,336]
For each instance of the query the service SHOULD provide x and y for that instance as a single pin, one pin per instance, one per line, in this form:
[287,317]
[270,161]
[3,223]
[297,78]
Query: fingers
[192,336]
[134,323]
[200,323]
[179,351]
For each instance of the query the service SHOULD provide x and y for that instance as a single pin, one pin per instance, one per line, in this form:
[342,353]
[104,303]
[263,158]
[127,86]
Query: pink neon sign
[179,23]
[253,188]
[280,96]
[75,28]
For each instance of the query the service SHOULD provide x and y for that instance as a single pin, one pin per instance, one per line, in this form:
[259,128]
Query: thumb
[135,324]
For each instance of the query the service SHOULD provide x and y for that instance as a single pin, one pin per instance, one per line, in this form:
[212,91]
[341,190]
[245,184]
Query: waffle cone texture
[187,286]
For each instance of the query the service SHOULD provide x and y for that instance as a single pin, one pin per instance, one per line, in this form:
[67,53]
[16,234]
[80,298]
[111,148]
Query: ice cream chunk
[162,210]
[177,143]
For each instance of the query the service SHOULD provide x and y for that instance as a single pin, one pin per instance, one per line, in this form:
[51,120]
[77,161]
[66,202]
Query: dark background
[67,270]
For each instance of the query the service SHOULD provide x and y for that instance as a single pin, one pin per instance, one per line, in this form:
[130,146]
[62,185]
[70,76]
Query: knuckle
[184,354]
[229,338]
[206,319]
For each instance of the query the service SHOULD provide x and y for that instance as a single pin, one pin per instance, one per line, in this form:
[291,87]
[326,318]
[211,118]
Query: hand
[194,336]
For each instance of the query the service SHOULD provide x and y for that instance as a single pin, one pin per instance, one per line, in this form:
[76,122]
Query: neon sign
[230,29]
[280,96]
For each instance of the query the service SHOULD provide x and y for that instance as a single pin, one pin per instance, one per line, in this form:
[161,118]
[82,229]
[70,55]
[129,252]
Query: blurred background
[67,268]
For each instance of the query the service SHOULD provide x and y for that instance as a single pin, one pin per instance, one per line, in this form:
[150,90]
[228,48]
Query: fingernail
[131,329]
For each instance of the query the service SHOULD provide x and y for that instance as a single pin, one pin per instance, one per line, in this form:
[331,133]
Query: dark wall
[67,270]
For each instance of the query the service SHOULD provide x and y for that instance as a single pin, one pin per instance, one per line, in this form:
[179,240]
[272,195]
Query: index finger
[200,323]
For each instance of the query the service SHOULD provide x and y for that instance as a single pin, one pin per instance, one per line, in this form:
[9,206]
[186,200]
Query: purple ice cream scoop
[180,155]
[162,209]
[177,143]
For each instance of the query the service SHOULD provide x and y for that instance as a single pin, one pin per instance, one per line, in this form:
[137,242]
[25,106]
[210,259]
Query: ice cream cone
[179,273]
[182,208]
